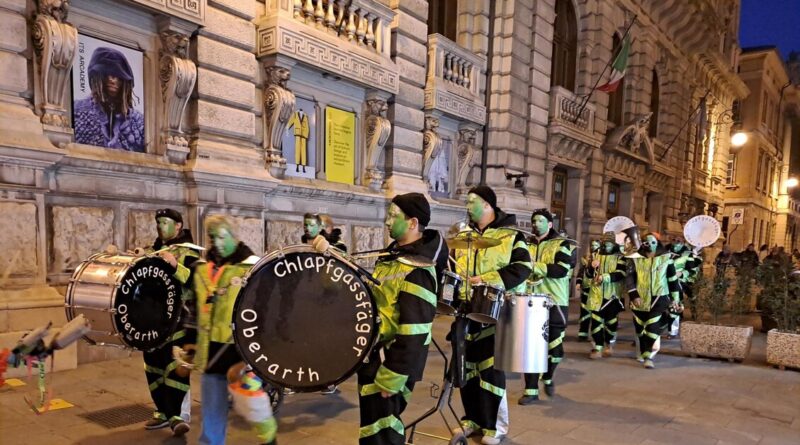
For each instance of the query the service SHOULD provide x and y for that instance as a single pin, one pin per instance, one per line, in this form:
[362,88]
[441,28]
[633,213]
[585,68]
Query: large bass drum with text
[130,301]
[304,320]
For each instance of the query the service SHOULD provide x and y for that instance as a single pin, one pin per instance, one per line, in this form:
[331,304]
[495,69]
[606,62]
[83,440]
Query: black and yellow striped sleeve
[519,264]
[620,272]
[405,357]
[672,282]
[630,280]
[565,260]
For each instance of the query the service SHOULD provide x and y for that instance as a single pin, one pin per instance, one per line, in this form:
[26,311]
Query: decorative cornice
[454,105]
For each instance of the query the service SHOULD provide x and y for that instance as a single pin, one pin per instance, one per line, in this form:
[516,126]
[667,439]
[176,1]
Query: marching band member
[331,233]
[216,284]
[170,391]
[508,266]
[687,264]
[605,291]
[553,259]
[653,289]
[315,224]
[406,304]
[585,275]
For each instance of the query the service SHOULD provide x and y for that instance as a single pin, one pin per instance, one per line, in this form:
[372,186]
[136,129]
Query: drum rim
[305,248]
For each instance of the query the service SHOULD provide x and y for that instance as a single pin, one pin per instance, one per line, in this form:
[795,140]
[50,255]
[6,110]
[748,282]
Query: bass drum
[130,301]
[304,320]
[521,341]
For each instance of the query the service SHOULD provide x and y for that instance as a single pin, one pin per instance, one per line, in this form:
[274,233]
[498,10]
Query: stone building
[757,174]
[266,109]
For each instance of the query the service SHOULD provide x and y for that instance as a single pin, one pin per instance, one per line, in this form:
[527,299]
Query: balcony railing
[564,108]
[454,79]
[364,23]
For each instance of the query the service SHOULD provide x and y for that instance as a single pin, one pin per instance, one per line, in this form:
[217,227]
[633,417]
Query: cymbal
[471,241]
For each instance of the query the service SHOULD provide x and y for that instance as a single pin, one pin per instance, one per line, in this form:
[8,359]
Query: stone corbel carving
[467,157]
[377,133]
[278,107]
[56,43]
[178,75]
[634,137]
[431,144]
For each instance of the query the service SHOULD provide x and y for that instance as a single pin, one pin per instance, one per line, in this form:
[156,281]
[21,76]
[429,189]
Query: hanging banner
[340,145]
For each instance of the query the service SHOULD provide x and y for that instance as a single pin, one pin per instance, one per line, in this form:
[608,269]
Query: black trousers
[380,417]
[484,392]
[167,389]
[586,318]
[650,324]
[557,327]
[605,322]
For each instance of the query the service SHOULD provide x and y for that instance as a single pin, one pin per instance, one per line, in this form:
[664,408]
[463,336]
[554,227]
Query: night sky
[771,22]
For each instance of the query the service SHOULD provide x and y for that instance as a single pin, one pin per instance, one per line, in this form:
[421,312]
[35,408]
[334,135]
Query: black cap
[486,193]
[108,61]
[544,212]
[169,213]
[414,205]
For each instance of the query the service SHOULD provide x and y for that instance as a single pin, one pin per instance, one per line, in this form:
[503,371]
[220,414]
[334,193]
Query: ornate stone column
[376,129]
[55,42]
[278,107]
[468,156]
[431,144]
[178,75]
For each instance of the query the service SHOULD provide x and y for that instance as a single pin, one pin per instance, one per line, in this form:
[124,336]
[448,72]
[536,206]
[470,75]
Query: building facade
[266,110]
[757,174]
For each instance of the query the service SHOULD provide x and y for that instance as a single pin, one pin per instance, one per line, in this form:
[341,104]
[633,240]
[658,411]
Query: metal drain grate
[120,416]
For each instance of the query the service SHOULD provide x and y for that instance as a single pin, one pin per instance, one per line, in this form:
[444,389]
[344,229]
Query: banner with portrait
[300,141]
[340,145]
[107,95]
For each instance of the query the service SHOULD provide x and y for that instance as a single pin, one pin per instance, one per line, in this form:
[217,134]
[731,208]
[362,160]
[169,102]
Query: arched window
[565,46]
[616,100]
[443,18]
[655,95]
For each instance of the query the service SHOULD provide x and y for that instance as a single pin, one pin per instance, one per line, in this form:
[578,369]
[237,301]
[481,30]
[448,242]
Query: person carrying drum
[585,274]
[314,224]
[553,258]
[604,292]
[406,303]
[653,290]
[216,283]
[505,266]
[170,391]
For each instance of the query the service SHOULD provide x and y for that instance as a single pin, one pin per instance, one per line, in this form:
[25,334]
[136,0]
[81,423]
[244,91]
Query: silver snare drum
[521,341]
[449,293]
[129,301]
[485,303]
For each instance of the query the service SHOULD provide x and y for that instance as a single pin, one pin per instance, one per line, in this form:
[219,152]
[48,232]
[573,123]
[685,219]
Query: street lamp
[791,183]
[738,139]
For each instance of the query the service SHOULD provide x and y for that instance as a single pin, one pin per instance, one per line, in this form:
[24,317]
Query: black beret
[169,213]
[486,193]
[414,205]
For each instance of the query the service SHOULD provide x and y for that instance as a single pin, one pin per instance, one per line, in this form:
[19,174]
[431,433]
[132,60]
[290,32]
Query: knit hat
[544,212]
[609,236]
[486,193]
[169,213]
[414,205]
[107,61]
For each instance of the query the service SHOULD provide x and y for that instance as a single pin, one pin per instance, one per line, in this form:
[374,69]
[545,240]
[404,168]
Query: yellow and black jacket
[554,259]
[612,269]
[651,278]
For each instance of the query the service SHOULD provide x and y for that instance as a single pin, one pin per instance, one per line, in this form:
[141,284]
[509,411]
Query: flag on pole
[618,68]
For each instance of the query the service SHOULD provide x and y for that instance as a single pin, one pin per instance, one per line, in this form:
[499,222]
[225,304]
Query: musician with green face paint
[585,274]
[652,288]
[314,224]
[554,258]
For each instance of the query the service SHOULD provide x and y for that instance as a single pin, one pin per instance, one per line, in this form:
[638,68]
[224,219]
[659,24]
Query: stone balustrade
[362,22]
[564,108]
[454,79]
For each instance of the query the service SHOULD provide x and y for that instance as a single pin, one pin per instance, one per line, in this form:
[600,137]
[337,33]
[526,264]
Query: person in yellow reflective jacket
[585,275]
[170,391]
[506,266]
[553,257]
[653,290]
[406,303]
[604,296]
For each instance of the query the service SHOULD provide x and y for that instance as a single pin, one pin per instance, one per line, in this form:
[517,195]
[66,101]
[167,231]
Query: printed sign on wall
[340,145]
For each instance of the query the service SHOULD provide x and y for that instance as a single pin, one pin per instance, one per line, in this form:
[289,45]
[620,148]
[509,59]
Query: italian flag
[618,68]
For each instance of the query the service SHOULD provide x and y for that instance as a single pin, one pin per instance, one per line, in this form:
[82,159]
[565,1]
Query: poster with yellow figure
[340,145]
[299,142]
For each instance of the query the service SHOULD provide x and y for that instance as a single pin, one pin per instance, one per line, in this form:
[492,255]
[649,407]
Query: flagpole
[608,64]
[691,116]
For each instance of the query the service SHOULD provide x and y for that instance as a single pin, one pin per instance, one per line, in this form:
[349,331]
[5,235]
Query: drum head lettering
[304,321]
[147,304]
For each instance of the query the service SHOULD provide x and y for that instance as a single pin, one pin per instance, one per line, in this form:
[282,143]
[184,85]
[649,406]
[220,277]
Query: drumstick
[456,264]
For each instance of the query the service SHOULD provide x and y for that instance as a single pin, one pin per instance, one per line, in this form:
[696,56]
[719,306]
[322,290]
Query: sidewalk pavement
[609,401]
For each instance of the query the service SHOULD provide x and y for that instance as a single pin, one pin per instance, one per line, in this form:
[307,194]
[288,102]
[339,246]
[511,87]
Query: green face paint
[541,225]
[396,222]
[475,207]
[651,243]
[595,246]
[609,246]
[677,245]
[312,227]
[224,242]
[167,228]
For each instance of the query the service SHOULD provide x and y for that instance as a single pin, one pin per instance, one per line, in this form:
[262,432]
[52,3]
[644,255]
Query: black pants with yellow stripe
[651,324]
[605,322]
[380,417]
[167,389]
[585,314]
[556,332]
[484,392]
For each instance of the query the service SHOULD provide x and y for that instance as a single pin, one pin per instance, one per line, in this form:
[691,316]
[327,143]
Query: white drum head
[702,231]
[617,224]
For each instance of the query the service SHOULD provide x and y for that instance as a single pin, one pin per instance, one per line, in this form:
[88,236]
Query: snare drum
[129,301]
[304,320]
[521,340]
[485,303]
[449,293]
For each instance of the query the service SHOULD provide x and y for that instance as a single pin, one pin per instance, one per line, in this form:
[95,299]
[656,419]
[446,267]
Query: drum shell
[485,304]
[449,293]
[91,292]
[521,340]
